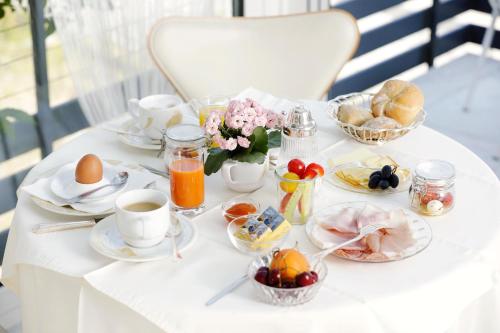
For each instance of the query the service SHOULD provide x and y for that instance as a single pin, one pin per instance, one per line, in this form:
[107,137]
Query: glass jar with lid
[433,187]
[298,139]
[185,146]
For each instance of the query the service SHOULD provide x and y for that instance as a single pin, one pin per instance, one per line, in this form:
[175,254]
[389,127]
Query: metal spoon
[175,230]
[119,180]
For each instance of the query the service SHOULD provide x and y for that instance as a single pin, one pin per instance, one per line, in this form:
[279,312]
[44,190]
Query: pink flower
[259,110]
[231,144]
[247,129]
[273,120]
[235,121]
[260,120]
[248,103]
[211,128]
[244,142]
[249,114]
[234,106]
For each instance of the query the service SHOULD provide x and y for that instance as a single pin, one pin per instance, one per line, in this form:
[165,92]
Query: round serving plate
[137,141]
[367,135]
[106,239]
[421,231]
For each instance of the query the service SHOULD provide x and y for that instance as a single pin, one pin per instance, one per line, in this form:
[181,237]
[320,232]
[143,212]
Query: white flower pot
[243,176]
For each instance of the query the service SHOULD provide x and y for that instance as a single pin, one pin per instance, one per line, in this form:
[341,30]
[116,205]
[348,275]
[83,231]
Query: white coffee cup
[157,112]
[142,228]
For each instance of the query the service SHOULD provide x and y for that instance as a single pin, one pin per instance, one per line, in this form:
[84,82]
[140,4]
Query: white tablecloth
[452,286]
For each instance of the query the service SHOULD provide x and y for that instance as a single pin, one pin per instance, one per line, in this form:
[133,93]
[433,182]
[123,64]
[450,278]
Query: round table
[452,286]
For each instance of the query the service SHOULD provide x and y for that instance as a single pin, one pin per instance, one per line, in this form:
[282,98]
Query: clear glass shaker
[433,187]
[184,157]
[298,137]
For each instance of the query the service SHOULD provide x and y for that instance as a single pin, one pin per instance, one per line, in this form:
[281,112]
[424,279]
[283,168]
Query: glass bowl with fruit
[296,184]
[238,207]
[258,233]
[287,277]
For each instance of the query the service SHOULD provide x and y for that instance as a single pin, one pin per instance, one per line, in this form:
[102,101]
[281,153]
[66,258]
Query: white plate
[336,181]
[65,186]
[67,210]
[106,239]
[141,142]
[420,228]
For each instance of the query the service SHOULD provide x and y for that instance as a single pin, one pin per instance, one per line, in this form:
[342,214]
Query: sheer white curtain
[105,46]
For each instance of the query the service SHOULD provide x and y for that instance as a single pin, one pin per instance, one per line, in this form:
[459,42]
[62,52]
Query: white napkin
[136,180]
[268,101]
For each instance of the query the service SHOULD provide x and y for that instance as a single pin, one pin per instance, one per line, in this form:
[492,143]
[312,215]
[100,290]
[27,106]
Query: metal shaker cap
[299,123]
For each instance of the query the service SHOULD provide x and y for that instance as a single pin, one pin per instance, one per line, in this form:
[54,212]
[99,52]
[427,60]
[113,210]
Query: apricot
[290,263]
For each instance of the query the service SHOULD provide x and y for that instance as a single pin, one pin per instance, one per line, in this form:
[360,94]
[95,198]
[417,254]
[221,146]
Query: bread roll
[355,115]
[379,123]
[399,100]
[382,123]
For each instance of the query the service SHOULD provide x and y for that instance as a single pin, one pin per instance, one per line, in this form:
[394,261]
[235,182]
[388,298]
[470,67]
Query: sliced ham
[385,243]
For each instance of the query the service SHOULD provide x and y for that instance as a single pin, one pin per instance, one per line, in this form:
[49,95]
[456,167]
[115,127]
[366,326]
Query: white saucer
[106,239]
[141,142]
[65,186]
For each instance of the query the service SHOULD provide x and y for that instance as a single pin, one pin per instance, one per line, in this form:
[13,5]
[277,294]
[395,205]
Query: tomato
[297,166]
[316,167]
[289,187]
[310,174]
[447,200]
[429,196]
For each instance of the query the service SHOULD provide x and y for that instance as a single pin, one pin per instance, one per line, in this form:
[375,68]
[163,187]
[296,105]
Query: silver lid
[185,133]
[299,123]
[437,172]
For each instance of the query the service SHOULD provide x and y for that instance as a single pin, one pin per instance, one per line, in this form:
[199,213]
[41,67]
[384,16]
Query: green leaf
[253,157]
[274,139]
[215,158]
[260,139]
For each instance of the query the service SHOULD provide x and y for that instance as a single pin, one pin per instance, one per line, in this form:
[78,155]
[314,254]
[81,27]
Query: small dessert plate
[106,239]
[65,186]
[137,139]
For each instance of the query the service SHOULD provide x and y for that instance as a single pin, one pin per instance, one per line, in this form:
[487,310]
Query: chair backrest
[294,56]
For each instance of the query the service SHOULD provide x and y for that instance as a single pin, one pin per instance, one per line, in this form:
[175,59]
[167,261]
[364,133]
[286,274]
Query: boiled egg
[88,170]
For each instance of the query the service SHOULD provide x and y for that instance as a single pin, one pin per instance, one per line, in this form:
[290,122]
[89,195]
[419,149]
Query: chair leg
[486,44]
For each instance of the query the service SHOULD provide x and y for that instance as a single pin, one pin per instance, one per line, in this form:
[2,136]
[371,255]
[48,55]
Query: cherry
[261,275]
[288,285]
[304,279]
[274,278]
[314,275]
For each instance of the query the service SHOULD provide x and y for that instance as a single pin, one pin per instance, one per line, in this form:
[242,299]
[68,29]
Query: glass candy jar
[184,158]
[433,188]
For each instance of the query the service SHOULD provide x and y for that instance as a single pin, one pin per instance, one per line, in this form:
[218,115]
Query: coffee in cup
[142,217]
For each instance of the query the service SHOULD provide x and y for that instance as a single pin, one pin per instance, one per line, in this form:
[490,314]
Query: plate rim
[107,220]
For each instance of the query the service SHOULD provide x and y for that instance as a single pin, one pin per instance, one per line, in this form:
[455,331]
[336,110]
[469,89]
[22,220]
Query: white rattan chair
[294,56]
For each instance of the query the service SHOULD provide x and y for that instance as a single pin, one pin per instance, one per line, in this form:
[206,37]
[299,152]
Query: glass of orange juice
[203,106]
[184,156]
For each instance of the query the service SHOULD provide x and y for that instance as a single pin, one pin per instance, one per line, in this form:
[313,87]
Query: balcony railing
[52,123]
